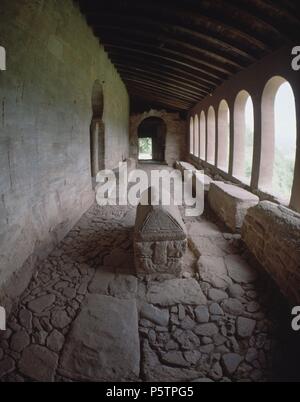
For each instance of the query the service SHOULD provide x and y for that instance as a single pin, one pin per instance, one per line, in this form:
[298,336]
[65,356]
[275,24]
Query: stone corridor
[87,317]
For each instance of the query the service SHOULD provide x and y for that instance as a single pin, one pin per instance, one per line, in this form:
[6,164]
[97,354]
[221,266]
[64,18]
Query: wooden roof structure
[173,53]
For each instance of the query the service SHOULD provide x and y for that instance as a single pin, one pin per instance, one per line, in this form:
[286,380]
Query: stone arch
[243,137]
[97,130]
[155,129]
[270,140]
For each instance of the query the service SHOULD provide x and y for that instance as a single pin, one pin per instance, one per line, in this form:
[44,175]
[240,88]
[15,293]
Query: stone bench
[160,239]
[231,203]
[272,234]
[182,166]
[204,180]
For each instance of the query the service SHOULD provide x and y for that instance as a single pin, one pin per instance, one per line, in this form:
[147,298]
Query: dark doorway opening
[152,139]
[97,130]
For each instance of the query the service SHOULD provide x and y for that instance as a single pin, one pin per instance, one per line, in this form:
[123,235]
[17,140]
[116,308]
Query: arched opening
[243,137]
[211,136]
[152,139]
[196,136]
[192,136]
[97,130]
[279,136]
[2,58]
[223,136]
[202,136]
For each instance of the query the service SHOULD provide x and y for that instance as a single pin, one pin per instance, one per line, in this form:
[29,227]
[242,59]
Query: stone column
[295,199]
[257,141]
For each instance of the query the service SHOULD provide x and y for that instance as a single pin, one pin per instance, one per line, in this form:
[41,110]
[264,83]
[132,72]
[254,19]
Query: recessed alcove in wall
[97,130]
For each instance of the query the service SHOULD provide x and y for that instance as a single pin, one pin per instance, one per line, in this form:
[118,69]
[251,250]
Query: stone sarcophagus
[160,239]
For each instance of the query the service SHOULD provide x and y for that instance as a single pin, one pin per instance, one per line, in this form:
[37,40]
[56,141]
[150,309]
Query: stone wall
[53,61]
[272,233]
[175,138]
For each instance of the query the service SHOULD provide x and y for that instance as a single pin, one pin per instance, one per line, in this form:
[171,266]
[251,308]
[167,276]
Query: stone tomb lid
[187,166]
[235,192]
[158,222]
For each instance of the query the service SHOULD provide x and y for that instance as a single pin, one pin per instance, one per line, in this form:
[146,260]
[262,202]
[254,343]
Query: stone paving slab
[176,291]
[103,344]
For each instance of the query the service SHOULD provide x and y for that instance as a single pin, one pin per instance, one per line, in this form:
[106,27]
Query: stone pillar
[295,199]
[257,142]
[239,134]
[222,159]
[232,140]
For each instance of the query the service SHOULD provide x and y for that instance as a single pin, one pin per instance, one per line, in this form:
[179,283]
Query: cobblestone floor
[222,321]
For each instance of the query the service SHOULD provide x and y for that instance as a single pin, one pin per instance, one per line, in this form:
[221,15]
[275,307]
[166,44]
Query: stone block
[203,180]
[231,203]
[103,344]
[182,166]
[272,234]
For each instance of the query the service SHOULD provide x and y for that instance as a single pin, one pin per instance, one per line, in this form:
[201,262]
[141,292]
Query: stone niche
[160,239]
[272,234]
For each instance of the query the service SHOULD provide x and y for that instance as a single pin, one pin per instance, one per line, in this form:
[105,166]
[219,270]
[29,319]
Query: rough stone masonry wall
[272,233]
[175,138]
[53,61]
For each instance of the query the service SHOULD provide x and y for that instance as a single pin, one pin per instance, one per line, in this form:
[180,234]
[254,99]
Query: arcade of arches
[117,293]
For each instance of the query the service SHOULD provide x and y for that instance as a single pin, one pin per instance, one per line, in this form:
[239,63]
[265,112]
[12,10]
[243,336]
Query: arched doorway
[152,139]
[97,130]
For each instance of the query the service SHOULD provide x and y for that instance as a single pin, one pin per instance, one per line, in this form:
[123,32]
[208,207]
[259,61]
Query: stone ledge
[182,166]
